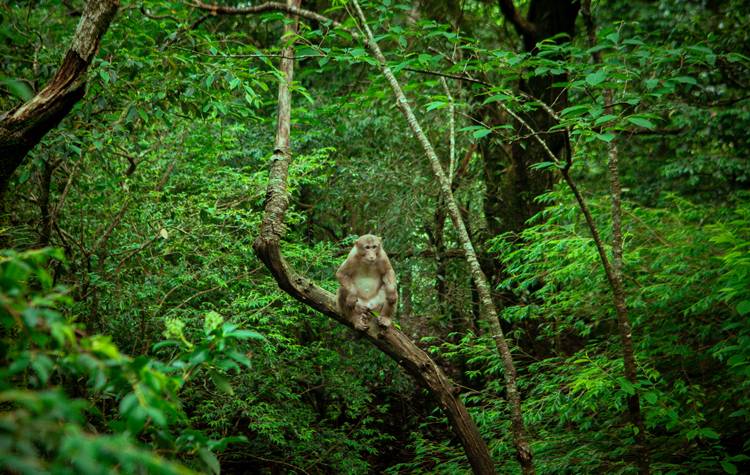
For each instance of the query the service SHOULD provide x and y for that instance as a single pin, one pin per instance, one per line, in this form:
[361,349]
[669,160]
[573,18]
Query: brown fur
[368,283]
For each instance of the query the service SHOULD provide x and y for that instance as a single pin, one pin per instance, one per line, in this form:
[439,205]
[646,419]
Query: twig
[266,7]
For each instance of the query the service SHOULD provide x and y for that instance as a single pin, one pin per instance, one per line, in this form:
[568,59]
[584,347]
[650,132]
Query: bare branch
[22,128]
[265,7]
[521,24]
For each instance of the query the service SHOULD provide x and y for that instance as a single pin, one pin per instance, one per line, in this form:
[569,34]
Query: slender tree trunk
[616,279]
[391,341]
[523,451]
[614,276]
[45,185]
[23,127]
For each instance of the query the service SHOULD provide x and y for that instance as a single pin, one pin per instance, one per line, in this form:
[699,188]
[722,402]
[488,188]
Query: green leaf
[164,344]
[596,78]
[358,52]
[737,57]
[246,334]
[606,137]
[626,386]
[743,308]
[221,382]
[42,365]
[574,111]
[239,357]
[497,98]
[728,467]
[128,403]
[482,132]
[210,460]
[542,165]
[435,105]
[708,433]
[685,80]
[18,88]
[604,118]
[641,122]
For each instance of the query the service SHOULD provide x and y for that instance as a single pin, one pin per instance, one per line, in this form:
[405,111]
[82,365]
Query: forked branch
[390,340]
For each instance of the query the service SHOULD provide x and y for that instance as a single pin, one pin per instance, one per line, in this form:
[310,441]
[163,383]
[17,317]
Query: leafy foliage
[140,333]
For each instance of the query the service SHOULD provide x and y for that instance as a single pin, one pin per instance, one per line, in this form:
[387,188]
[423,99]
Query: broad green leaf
[210,460]
[18,88]
[641,122]
[497,98]
[482,132]
[596,78]
[729,467]
[221,382]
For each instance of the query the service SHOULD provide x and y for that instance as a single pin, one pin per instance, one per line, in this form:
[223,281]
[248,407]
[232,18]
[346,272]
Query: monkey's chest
[367,284]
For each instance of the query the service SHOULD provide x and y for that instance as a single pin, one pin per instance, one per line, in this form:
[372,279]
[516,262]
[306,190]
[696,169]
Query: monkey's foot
[360,323]
[384,322]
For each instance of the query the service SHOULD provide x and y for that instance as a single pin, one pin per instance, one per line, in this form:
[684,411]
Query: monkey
[368,283]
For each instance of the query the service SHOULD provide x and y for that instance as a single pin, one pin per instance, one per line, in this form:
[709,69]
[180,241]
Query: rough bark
[390,341]
[523,451]
[23,127]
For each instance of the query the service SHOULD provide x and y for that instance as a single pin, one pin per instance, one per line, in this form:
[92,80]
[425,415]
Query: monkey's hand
[351,300]
[384,322]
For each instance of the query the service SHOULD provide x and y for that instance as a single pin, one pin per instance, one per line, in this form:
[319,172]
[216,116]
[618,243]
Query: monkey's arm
[389,283]
[345,276]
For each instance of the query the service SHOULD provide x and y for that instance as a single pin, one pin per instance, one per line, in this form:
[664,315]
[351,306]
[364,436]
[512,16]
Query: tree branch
[265,7]
[388,340]
[521,24]
[23,127]
[523,451]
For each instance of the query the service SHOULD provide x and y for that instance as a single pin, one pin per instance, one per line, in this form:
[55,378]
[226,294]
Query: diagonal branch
[22,128]
[390,341]
[523,450]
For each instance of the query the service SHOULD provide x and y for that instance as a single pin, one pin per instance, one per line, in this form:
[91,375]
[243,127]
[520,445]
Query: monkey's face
[368,248]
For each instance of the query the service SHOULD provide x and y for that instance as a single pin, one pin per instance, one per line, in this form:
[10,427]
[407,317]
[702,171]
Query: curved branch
[390,341]
[23,127]
[521,24]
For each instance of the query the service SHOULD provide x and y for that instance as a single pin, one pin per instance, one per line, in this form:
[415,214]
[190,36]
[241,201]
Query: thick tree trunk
[391,341]
[23,127]
[511,185]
